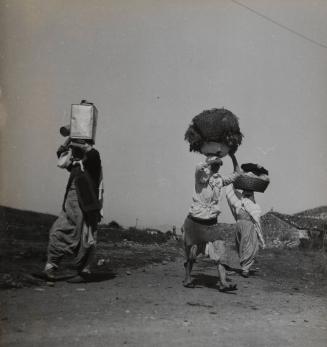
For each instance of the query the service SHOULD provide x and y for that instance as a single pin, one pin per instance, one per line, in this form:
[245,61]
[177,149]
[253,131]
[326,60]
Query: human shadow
[101,276]
[208,281]
[41,276]
[238,271]
[92,277]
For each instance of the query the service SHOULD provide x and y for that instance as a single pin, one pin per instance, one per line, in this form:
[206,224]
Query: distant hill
[317,213]
[13,216]
[277,226]
[311,219]
[302,221]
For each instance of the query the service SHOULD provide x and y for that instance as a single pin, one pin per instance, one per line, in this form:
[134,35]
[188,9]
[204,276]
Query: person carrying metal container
[74,232]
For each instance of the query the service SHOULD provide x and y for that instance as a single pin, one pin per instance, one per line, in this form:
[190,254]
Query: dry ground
[138,299]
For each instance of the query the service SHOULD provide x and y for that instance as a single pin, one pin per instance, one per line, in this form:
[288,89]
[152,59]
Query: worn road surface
[149,306]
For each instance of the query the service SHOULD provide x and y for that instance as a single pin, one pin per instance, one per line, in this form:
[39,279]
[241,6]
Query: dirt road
[148,306]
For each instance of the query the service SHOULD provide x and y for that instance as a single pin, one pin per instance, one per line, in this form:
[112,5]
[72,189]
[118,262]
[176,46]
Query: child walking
[248,227]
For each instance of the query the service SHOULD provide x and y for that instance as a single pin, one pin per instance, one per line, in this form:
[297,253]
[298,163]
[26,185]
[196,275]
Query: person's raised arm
[199,170]
[212,160]
[233,199]
[63,148]
[231,178]
[237,168]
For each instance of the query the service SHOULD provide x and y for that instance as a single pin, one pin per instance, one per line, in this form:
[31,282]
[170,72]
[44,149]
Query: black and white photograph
[163,173]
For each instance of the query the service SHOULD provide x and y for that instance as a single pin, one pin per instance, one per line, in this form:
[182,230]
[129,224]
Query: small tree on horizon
[113,224]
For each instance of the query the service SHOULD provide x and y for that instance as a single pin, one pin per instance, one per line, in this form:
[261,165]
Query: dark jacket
[87,184]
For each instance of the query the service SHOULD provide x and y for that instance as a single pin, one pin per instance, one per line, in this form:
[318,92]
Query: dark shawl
[87,184]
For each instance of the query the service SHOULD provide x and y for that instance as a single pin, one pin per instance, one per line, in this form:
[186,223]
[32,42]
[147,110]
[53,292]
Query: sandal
[45,276]
[188,284]
[229,288]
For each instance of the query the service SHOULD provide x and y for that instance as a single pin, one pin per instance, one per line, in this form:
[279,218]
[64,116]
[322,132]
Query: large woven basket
[215,124]
[255,184]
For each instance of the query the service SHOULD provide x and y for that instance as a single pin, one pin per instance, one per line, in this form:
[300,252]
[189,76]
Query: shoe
[46,275]
[188,284]
[228,288]
[245,274]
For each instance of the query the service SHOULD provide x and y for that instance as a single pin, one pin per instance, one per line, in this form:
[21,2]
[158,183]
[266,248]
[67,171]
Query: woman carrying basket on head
[247,214]
[213,133]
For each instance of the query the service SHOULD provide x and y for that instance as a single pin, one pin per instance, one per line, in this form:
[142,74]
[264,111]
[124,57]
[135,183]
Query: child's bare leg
[190,253]
[187,250]
[223,285]
[188,268]
[222,275]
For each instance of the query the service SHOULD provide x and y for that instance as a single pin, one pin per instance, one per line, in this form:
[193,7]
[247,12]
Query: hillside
[277,227]
[13,216]
[303,222]
[306,232]
[316,213]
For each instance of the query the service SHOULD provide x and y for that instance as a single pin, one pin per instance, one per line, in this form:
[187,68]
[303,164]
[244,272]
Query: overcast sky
[150,66]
